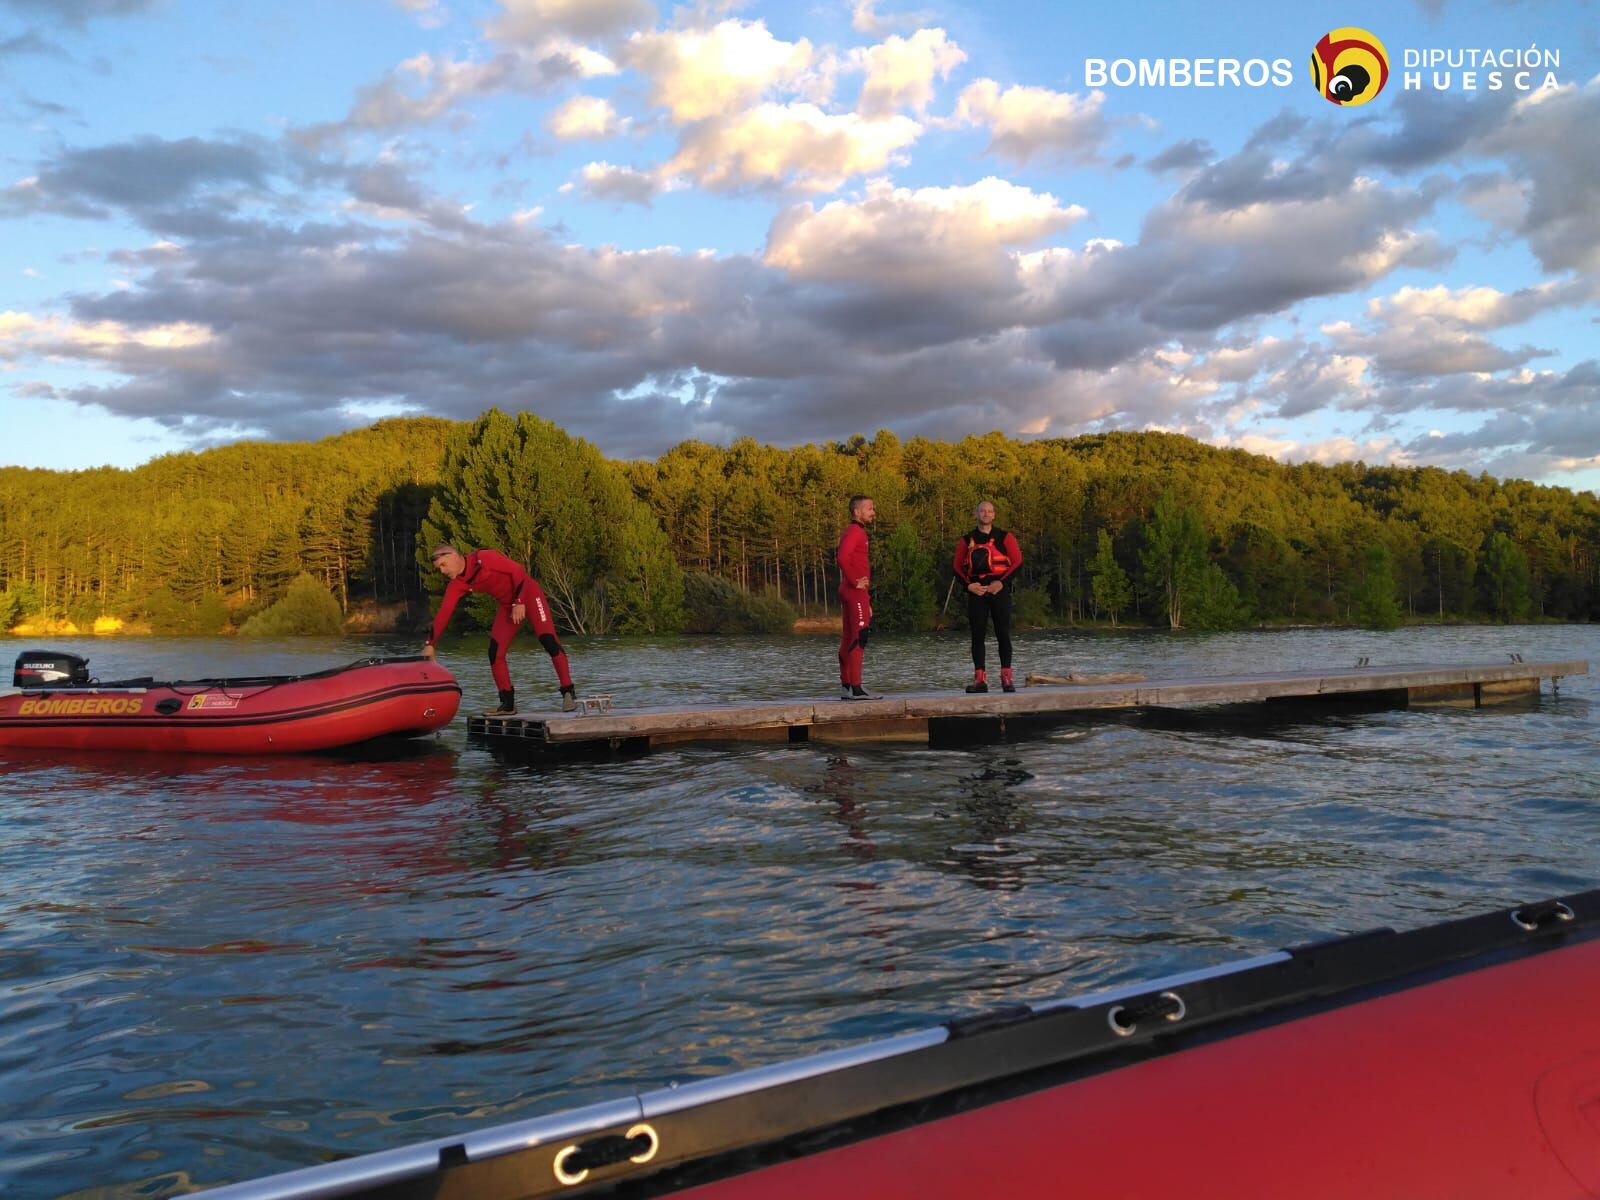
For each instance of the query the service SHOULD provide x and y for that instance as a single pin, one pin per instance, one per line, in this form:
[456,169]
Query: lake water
[212,970]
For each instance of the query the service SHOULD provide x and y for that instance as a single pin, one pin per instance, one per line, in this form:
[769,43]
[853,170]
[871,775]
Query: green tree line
[1141,528]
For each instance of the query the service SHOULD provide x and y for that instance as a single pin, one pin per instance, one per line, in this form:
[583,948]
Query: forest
[1150,529]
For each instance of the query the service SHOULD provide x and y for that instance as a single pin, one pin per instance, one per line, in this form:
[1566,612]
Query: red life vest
[987,558]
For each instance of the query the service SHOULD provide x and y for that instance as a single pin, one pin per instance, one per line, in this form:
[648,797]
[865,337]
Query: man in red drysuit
[520,598]
[855,577]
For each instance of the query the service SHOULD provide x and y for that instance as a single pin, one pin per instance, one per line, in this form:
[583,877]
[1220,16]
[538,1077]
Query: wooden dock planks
[920,716]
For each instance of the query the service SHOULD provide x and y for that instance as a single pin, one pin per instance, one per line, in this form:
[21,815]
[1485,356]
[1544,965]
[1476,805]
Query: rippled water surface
[216,969]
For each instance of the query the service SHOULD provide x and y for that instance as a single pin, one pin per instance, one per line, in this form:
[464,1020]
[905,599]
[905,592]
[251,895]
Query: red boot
[980,681]
[1005,680]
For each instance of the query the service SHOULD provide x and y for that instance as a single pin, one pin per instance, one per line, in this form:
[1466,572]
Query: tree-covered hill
[1143,527]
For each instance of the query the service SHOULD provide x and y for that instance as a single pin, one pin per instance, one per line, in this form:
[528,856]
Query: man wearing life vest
[855,577]
[986,559]
[520,598]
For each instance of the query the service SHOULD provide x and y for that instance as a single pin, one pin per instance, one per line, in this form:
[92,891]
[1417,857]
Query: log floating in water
[1040,679]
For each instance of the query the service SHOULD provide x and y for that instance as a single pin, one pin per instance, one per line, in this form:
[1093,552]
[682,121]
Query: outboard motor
[50,668]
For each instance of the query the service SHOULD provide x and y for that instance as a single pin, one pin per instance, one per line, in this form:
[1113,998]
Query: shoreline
[803,626]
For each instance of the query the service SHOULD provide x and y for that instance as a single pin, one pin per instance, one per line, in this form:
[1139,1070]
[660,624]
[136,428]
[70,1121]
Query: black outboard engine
[50,668]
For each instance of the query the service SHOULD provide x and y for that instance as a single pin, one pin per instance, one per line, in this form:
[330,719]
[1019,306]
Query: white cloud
[22,331]
[1439,331]
[865,18]
[445,84]
[1479,307]
[700,73]
[900,72]
[603,181]
[430,14]
[796,145]
[532,22]
[1025,122]
[585,117]
[956,237]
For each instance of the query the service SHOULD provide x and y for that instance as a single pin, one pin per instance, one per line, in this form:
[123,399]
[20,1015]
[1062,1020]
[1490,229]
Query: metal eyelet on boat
[568,1177]
[1117,1010]
[1561,912]
[559,1166]
[655,1143]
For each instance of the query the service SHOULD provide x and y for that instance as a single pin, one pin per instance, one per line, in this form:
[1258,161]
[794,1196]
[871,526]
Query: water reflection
[210,970]
[992,804]
[842,782]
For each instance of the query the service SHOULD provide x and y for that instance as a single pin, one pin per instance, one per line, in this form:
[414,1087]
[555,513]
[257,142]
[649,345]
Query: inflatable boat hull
[1458,1061]
[393,697]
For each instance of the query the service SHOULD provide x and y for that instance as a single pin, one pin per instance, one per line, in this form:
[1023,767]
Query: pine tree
[1507,587]
[1112,590]
[1174,555]
[1373,601]
[902,593]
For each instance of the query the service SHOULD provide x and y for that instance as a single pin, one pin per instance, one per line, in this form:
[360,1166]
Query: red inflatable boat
[1458,1061]
[57,707]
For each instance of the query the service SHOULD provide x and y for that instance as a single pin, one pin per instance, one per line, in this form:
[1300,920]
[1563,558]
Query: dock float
[956,718]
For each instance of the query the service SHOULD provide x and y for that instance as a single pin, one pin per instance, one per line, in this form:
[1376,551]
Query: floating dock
[955,718]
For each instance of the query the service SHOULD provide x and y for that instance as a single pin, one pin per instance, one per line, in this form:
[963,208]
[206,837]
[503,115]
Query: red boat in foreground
[57,707]
[1459,1061]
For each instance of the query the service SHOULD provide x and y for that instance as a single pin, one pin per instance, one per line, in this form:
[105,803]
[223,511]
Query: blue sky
[795,222]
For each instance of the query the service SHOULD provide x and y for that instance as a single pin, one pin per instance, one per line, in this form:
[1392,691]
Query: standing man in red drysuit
[855,577]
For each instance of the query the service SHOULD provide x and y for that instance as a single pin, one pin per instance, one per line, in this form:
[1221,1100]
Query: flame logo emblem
[1349,66]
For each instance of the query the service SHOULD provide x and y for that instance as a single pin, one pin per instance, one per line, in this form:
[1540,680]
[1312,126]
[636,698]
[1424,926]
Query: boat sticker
[81,706]
[213,700]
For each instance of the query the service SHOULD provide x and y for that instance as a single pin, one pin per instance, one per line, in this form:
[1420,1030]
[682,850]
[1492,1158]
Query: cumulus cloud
[1029,122]
[1182,156]
[1552,141]
[900,72]
[533,22]
[603,181]
[794,145]
[927,238]
[938,310]
[1437,331]
[126,347]
[697,74]
[1543,143]
[144,175]
[1537,423]
[865,18]
[424,88]
[430,14]
[585,117]
[78,12]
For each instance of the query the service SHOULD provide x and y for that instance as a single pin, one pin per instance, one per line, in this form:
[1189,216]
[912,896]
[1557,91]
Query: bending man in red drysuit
[855,577]
[520,598]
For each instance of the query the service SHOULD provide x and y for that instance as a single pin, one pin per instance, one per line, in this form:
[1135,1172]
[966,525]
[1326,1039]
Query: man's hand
[994,588]
[427,651]
[862,583]
[519,612]
[977,589]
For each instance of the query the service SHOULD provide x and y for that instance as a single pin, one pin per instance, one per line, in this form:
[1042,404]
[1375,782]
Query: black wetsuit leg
[1000,609]
[978,623]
